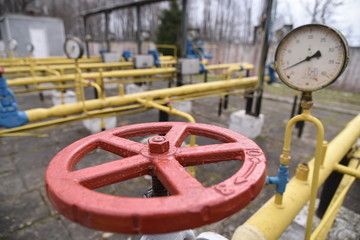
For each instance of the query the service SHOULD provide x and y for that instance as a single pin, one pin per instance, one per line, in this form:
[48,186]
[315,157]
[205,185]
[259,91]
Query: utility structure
[127,4]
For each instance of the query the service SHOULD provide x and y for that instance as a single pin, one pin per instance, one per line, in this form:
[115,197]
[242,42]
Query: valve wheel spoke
[121,146]
[177,134]
[198,155]
[175,178]
[111,172]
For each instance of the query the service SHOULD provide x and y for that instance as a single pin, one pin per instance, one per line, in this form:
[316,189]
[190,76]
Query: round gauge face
[311,57]
[29,47]
[73,48]
[12,44]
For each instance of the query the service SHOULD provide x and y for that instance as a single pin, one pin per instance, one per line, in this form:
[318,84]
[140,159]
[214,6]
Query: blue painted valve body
[9,115]
[280,180]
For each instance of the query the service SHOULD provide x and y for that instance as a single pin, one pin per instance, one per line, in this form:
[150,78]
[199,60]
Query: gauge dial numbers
[73,48]
[311,57]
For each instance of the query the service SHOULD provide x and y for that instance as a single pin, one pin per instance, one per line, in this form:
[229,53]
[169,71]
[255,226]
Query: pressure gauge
[73,48]
[311,57]
[12,44]
[29,47]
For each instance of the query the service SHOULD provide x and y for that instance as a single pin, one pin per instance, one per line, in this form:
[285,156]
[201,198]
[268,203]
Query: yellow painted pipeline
[272,219]
[75,108]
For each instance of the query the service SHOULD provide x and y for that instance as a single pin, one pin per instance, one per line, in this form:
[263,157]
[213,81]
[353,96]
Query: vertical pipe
[184,24]
[264,53]
[85,37]
[265,43]
[294,106]
[138,31]
[163,116]
[249,102]
[107,32]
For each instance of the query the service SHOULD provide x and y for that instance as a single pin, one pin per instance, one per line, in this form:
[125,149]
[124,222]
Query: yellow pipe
[327,220]
[166,58]
[246,66]
[94,85]
[227,74]
[137,80]
[170,110]
[51,123]
[110,74]
[173,47]
[68,66]
[23,134]
[167,63]
[41,88]
[66,86]
[47,61]
[43,59]
[319,155]
[346,170]
[272,219]
[75,108]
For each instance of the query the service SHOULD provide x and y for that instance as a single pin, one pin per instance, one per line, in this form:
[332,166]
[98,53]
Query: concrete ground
[25,212]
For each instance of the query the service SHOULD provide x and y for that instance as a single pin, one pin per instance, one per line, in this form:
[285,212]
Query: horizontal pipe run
[346,170]
[115,81]
[167,109]
[92,75]
[68,66]
[117,111]
[44,61]
[246,66]
[76,108]
[272,220]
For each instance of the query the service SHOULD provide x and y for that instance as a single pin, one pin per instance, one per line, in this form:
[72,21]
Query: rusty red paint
[190,204]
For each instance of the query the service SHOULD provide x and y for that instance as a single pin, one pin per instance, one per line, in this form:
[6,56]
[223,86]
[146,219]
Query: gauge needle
[317,55]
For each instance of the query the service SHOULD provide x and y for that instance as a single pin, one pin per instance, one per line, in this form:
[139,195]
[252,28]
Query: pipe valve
[9,115]
[280,180]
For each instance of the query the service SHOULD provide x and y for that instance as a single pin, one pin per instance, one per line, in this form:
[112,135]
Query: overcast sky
[346,17]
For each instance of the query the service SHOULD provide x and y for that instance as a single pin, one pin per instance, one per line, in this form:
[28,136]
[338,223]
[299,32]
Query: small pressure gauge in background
[73,48]
[311,57]
[29,47]
[12,44]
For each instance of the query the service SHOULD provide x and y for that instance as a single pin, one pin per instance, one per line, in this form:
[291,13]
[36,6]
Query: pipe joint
[285,160]
[280,180]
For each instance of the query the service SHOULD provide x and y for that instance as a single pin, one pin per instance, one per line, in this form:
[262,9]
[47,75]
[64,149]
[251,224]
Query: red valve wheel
[189,205]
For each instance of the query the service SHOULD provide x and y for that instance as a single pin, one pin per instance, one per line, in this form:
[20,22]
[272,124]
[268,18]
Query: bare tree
[321,11]
[14,6]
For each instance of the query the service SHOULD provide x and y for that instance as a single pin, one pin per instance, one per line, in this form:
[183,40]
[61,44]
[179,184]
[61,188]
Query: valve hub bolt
[158,144]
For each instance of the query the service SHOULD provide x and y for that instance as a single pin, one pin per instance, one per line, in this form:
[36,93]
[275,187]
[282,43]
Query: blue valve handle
[156,57]
[126,54]
[271,73]
[9,115]
[280,180]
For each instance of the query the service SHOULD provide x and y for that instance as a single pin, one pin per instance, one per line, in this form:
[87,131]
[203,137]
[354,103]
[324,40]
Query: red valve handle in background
[189,205]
